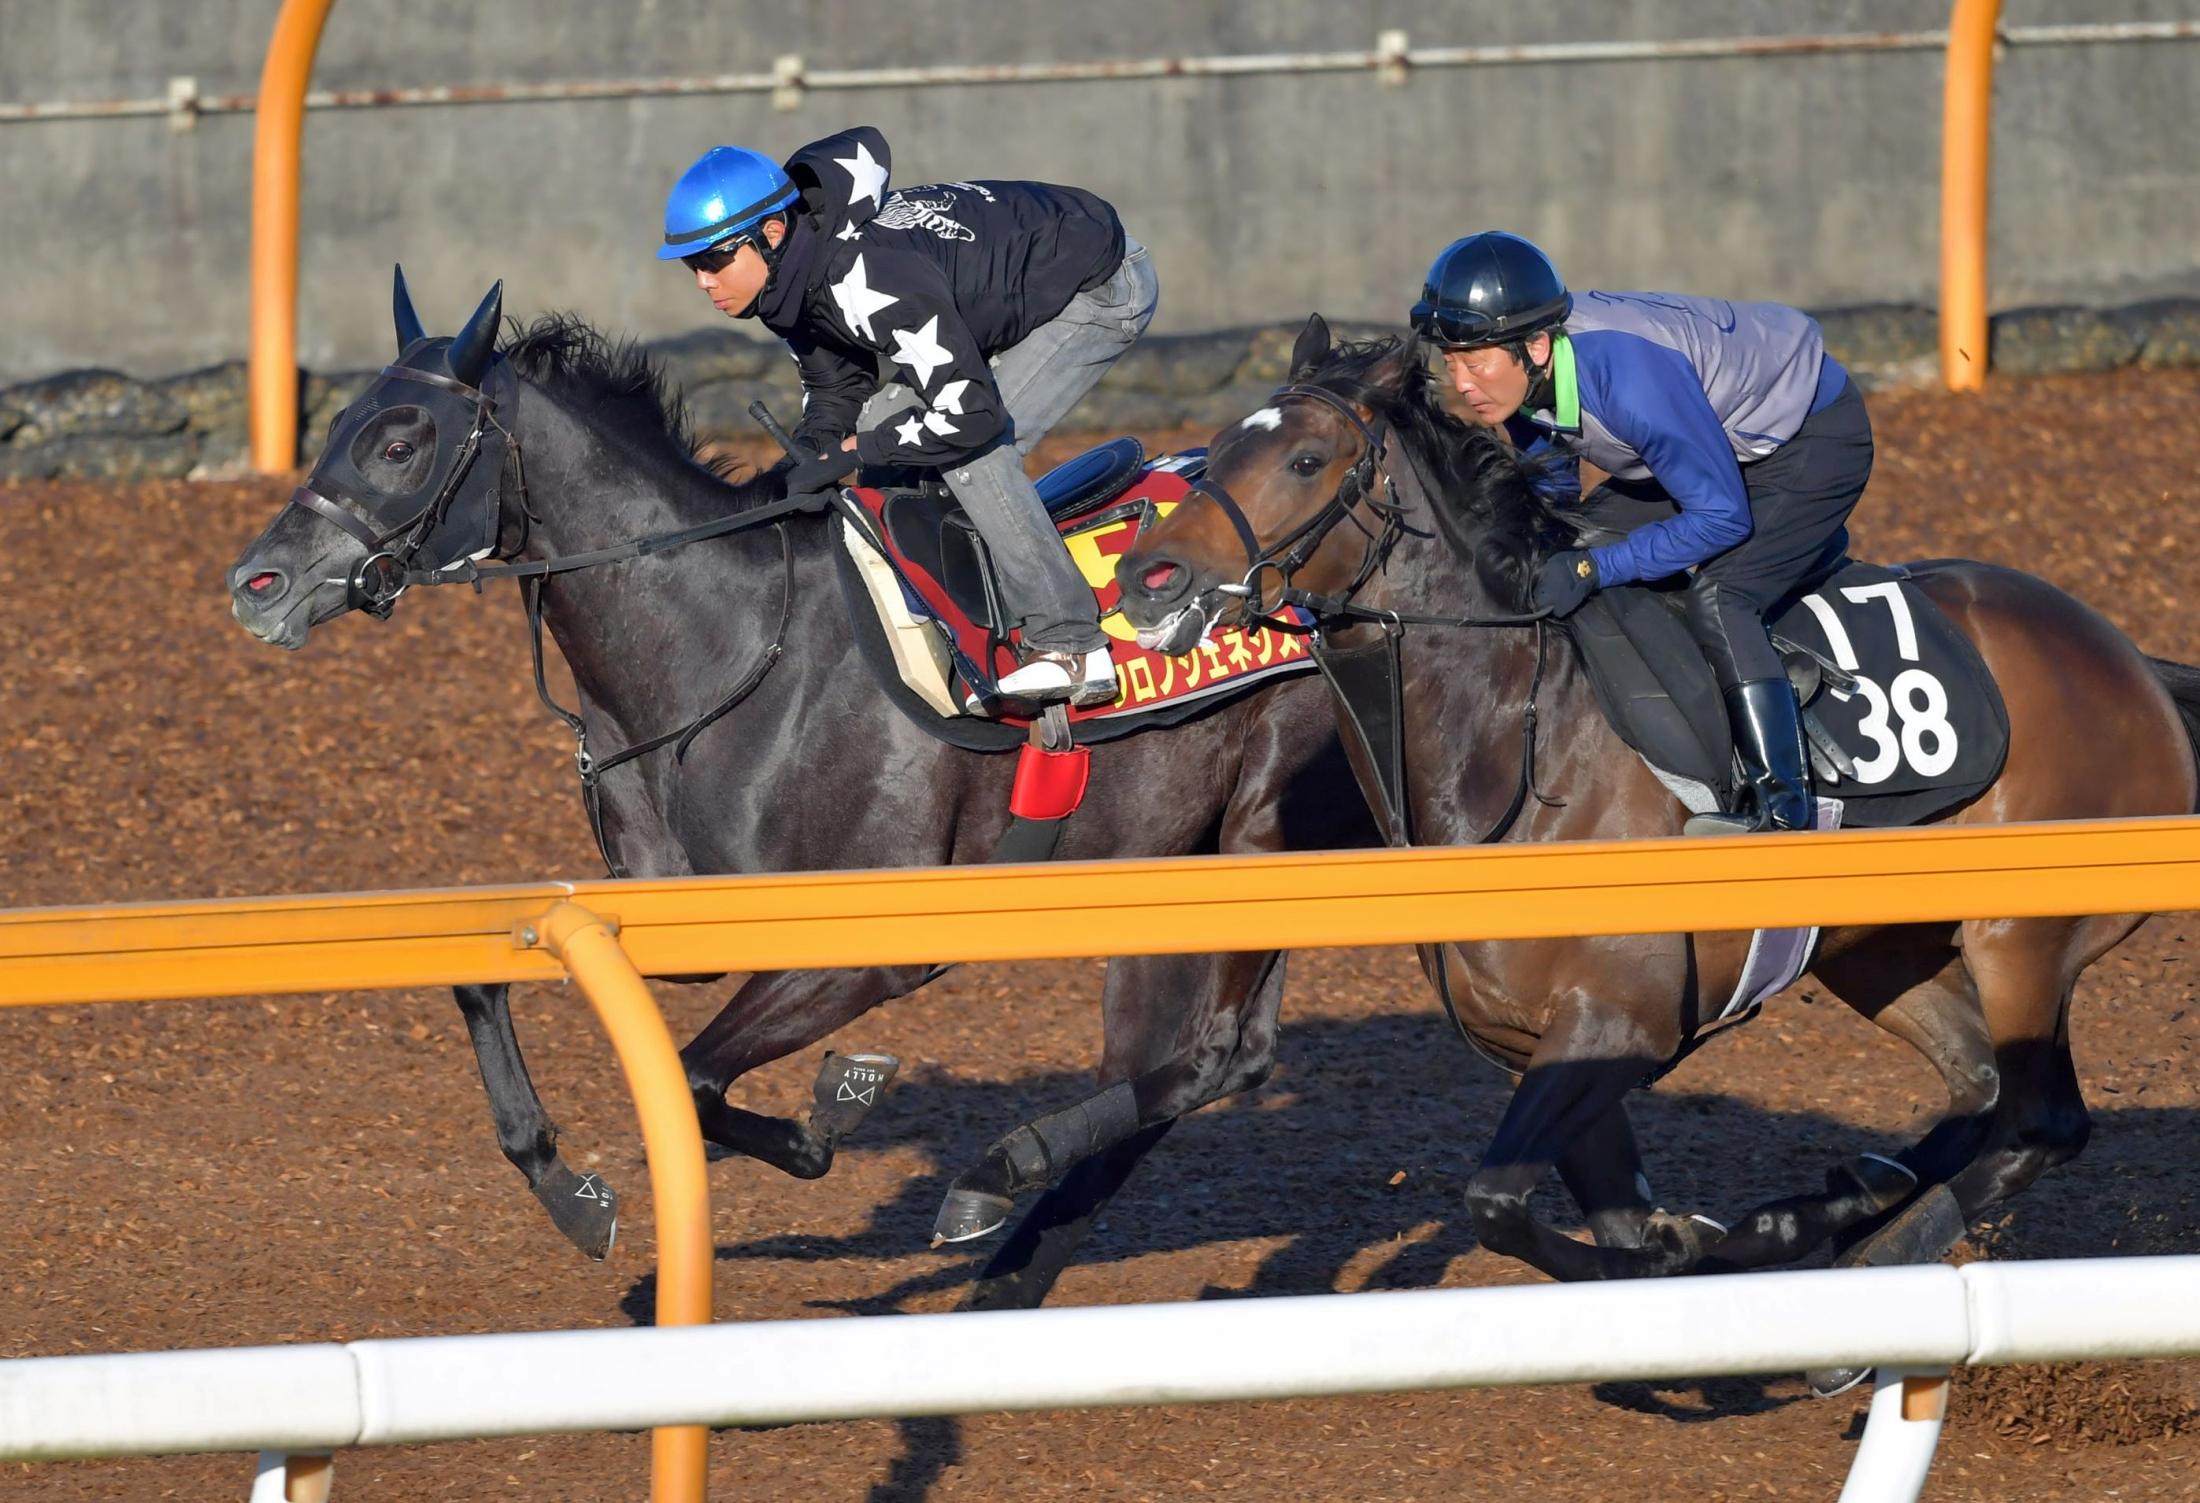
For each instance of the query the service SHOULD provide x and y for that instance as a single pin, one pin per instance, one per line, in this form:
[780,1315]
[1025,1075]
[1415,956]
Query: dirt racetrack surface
[316,1168]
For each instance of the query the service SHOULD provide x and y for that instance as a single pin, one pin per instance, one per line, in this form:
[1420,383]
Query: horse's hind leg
[1182,1030]
[1913,983]
[770,1016]
[583,1206]
[1021,1273]
[2026,969]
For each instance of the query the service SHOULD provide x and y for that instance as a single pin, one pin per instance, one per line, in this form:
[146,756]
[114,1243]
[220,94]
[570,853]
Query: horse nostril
[259,582]
[1157,578]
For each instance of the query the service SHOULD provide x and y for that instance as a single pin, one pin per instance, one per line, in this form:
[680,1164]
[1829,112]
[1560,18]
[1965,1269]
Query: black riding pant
[1800,497]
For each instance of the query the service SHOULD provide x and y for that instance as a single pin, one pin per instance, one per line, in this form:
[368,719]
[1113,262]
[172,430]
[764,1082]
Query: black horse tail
[2183,683]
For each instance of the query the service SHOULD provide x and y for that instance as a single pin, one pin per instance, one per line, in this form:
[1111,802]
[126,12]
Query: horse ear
[1312,347]
[1392,372]
[408,322]
[472,346]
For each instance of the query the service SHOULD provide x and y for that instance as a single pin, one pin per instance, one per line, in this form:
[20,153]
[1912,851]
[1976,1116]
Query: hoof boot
[584,1208]
[1880,1182]
[1832,1382]
[848,1086]
[966,1215]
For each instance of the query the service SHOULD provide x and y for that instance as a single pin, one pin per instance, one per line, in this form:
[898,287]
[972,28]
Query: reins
[383,575]
[1292,552]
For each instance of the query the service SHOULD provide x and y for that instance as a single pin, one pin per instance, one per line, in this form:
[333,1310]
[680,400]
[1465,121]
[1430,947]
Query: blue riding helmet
[728,190]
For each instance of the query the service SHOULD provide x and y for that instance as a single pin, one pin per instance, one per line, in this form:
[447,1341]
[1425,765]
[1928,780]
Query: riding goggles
[1455,328]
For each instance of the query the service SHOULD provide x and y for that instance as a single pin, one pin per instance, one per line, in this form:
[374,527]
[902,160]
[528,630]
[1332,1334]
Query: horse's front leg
[772,1015]
[583,1206]
[1582,1069]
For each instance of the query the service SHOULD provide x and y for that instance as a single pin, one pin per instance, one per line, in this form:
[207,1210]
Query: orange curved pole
[1966,125]
[272,364]
[674,1141]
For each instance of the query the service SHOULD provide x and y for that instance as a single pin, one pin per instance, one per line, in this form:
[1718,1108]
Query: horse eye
[1307,464]
[398,452]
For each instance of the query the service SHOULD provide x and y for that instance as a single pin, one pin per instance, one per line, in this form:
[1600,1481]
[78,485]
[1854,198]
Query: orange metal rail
[607,934]
[271,370]
[674,1140]
[1184,905]
[1966,127]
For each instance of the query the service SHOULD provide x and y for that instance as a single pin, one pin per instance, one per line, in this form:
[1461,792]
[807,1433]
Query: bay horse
[1447,524]
[561,445]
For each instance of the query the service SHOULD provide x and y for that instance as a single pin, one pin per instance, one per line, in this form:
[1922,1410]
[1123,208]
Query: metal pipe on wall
[272,365]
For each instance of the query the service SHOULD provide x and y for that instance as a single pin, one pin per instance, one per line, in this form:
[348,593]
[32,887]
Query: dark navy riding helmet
[1490,288]
[728,191]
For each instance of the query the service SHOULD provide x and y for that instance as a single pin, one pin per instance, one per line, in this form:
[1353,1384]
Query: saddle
[927,603]
[1903,718]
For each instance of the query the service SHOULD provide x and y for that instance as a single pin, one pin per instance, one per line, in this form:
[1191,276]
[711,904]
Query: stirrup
[1084,679]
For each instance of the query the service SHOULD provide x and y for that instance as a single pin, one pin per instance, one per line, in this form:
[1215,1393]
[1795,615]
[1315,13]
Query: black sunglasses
[718,257]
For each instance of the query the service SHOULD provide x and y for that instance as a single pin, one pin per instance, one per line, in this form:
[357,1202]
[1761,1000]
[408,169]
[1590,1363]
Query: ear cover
[401,307]
[1312,346]
[473,345]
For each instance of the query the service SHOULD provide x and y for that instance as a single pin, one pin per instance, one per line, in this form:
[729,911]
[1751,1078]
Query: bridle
[384,573]
[388,569]
[1368,681]
[1355,493]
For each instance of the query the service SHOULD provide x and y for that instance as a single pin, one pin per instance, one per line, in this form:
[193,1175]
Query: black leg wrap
[1040,1152]
[1033,1155]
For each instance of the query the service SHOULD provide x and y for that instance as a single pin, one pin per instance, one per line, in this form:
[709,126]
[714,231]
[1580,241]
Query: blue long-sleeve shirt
[1683,391]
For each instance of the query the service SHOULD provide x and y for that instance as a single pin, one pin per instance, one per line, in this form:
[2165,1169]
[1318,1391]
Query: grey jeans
[1040,380]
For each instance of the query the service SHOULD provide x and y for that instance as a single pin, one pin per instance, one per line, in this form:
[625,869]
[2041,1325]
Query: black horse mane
[615,379]
[1483,495]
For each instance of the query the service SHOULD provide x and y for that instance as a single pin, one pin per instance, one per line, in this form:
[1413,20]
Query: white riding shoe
[1084,679]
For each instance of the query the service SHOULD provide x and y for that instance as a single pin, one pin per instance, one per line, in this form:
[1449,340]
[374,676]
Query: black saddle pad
[1923,726]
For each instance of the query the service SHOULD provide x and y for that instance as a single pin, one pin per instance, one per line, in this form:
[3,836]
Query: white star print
[950,398]
[858,302]
[865,172]
[938,424]
[850,231]
[911,433]
[922,351]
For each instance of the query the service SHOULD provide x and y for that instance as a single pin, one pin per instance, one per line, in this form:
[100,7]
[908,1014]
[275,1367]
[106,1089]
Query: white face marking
[1270,418]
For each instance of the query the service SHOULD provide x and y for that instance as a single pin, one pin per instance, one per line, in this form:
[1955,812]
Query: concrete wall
[1809,179]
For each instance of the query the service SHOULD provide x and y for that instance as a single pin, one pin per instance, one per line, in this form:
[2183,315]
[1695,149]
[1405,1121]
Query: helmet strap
[1539,376]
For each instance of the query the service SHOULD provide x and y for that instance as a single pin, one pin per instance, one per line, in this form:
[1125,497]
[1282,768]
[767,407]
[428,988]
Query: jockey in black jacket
[992,307]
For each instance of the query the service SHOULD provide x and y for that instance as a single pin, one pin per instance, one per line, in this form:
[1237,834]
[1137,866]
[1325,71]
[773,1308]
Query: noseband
[1290,553]
[382,575]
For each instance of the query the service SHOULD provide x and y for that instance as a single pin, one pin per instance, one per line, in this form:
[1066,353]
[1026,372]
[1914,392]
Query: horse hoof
[584,1208]
[848,1086]
[967,1215]
[1832,1382]
[1921,1232]
[1683,1240]
[1882,1183]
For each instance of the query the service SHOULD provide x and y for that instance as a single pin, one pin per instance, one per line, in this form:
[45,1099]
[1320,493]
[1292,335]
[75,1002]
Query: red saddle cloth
[946,576]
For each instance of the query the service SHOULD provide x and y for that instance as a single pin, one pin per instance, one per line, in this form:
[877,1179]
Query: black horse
[560,445]
[1358,436]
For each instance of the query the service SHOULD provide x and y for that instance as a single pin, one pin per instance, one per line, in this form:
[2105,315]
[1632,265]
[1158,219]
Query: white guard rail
[326,1397]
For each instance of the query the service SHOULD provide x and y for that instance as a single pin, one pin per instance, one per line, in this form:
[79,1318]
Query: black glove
[1566,580]
[818,472]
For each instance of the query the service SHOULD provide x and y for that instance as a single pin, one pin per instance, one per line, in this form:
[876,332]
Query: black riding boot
[1768,737]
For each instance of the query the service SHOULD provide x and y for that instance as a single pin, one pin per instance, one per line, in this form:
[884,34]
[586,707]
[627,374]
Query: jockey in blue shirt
[1736,447]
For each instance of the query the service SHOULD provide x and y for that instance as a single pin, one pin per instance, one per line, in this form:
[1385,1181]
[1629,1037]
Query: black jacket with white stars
[934,279]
